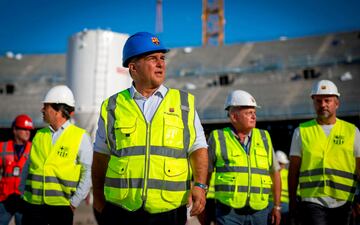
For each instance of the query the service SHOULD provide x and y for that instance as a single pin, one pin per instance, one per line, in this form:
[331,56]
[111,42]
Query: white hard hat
[324,87]
[281,157]
[60,94]
[240,98]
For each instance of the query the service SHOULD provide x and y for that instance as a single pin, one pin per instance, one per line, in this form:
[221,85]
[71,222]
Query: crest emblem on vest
[339,139]
[63,151]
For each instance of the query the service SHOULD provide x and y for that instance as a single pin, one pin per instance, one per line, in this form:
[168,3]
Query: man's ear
[231,116]
[132,68]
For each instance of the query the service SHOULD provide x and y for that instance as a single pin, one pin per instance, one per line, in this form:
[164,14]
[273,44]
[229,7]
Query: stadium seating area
[279,74]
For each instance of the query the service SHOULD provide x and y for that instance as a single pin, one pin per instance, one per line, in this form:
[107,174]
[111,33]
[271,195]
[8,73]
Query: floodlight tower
[213,22]
[159,19]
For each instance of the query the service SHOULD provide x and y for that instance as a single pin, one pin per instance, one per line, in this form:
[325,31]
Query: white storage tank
[95,72]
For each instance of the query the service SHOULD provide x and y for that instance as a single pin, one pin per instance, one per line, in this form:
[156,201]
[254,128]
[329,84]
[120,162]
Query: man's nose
[322,103]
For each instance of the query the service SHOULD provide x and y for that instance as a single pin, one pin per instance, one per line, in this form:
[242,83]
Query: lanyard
[247,145]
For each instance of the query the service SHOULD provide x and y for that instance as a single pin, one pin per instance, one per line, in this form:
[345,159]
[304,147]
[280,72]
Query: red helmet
[23,121]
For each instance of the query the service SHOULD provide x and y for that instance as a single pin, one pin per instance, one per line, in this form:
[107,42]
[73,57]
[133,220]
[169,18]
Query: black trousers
[314,214]
[115,215]
[47,215]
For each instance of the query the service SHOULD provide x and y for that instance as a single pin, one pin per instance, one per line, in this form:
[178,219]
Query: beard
[323,114]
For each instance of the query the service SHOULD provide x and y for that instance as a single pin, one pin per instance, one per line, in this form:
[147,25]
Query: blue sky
[44,26]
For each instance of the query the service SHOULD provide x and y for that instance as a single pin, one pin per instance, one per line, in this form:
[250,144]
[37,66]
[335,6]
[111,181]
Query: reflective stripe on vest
[328,163]
[149,160]
[12,169]
[53,171]
[237,183]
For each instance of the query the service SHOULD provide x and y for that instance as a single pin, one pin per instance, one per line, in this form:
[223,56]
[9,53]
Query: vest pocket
[125,133]
[175,179]
[117,178]
[266,183]
[262,159]
[173,132]
[229,183]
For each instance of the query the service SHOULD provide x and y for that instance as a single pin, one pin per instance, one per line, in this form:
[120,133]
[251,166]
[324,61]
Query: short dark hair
[65,109]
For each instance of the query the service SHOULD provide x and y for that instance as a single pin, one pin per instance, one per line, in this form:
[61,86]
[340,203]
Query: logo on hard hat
[155,40]
[323,87]
[28,123]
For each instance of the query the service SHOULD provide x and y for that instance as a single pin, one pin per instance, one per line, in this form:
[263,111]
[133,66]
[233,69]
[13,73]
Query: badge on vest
[16,171]
[63,151]
[339,139]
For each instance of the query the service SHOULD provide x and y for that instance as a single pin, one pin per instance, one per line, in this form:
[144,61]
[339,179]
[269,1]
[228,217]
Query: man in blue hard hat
[149,145]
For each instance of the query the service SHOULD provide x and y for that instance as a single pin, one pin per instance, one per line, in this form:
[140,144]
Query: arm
[199,165]
[276,191]
[84,158]
[294,169]
[98,172]
[293,181]
[356,205]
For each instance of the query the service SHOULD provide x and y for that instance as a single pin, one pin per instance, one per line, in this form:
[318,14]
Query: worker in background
[244,164]
[14,155]
[283,162]
[148,137]
[60,164]
[324,161]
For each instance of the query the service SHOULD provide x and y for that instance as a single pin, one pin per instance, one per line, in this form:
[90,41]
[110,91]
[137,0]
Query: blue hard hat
[139,44]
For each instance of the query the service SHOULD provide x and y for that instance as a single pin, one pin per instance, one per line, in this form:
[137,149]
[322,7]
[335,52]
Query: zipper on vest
[249,179]
[147,162]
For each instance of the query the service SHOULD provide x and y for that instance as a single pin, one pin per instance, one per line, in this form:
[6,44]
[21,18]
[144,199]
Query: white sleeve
[85,160]
[200,140]
[295,149]
[357,143]
[100,144]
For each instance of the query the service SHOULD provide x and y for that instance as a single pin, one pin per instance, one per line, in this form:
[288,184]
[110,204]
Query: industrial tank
[95,72]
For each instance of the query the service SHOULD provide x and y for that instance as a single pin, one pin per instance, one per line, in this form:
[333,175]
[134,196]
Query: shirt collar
[66,124]
[161,92]
[248,136]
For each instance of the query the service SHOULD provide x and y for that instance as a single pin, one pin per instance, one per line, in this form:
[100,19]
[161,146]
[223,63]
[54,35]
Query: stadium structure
[279,74]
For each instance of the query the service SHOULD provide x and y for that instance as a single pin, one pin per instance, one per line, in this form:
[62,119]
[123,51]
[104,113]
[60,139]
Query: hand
[88,199]
[356,209]
[99,204]
[275,216]
[197,199]
[294,208]
[72,208]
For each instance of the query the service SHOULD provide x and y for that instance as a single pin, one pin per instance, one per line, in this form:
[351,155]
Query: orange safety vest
[11,168]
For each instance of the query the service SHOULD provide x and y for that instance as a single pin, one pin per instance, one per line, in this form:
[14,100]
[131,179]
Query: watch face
[200,185]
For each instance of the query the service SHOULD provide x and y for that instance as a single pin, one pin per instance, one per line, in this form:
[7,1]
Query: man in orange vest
[14,155]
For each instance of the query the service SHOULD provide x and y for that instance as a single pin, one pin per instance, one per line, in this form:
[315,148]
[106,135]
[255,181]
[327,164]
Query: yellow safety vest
[242,179]
[149,165]
[53,172]
[284,187]
[211,190]
[328,163]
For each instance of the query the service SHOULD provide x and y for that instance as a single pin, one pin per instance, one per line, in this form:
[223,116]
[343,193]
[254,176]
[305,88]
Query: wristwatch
[277,207]
[202,186]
